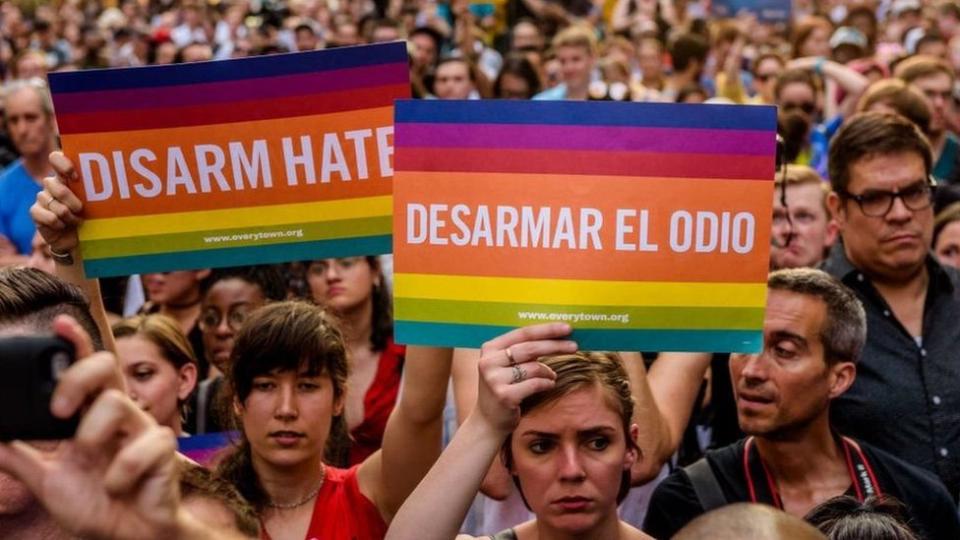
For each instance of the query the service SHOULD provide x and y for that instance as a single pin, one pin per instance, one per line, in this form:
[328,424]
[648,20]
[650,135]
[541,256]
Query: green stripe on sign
[466,335]
[237,238]
[277,253]
[596,317]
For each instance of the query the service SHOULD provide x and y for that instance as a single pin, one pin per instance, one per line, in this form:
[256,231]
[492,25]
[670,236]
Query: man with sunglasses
[907,391]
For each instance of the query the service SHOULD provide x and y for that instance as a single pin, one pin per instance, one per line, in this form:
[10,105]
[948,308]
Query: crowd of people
[846,425]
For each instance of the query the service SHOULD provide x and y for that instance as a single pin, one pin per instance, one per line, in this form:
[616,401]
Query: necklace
[305,500]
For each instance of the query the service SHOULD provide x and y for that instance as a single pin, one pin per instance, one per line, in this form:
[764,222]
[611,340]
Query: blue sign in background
[769,11]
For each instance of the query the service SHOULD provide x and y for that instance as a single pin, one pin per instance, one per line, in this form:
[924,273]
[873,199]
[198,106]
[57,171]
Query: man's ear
[842,375]
[837,212]
[833,231]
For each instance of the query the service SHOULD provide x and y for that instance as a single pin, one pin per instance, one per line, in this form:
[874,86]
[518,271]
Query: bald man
[745,521]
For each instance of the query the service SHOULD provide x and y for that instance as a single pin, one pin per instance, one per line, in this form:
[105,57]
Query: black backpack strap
[705,485]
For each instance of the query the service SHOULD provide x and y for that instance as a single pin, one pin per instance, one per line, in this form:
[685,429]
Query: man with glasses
[907,391]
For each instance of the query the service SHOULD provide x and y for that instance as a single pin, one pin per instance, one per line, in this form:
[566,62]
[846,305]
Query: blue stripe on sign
[588,113]
[228,70]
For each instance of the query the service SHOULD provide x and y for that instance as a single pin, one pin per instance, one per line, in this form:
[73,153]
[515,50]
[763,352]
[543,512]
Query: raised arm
[444,496]
[675,380]
[852,82]
[653,437]
[58,214]
[465,377]
[412,440]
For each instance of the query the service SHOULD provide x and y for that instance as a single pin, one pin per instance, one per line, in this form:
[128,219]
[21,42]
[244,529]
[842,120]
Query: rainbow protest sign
[646,226]
[254,160]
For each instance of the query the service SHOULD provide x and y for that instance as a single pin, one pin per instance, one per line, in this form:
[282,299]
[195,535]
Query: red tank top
[378,402]
[342,512]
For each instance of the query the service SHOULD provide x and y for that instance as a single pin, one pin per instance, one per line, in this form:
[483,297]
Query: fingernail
[60,406]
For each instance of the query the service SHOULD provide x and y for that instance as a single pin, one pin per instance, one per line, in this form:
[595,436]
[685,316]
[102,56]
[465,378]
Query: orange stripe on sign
[218,176]
[525,240]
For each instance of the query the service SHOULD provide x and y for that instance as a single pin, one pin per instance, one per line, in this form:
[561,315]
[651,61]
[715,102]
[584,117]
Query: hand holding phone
[118,477]
[30,367]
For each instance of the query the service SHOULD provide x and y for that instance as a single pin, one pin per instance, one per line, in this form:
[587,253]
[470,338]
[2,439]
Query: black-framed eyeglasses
[210,319]
[878,203]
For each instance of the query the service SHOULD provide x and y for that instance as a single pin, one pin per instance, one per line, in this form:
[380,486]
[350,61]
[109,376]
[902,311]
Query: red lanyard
[861,474]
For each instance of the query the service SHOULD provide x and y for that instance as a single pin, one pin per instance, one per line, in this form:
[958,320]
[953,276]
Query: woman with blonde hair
[158,365]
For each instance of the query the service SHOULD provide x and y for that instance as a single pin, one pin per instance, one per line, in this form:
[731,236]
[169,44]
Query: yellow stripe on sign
[579,292]
[252,216]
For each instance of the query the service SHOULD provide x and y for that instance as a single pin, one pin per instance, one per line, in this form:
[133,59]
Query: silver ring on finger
[50,201]
[509,354]
[519,374]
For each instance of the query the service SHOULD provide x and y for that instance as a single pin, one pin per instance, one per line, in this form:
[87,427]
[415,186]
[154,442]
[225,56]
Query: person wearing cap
[846,44]
[907,13]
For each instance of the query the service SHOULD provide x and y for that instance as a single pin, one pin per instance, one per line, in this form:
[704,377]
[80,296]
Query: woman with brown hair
[562,424]
[288,376]
[355,291]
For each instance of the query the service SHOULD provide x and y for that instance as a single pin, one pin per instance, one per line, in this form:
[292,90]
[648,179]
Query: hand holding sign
[57,210]
[245,161]
[644,226]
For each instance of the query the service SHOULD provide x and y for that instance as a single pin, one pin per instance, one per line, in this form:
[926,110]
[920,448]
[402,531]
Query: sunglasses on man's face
[764,77]
[807,107]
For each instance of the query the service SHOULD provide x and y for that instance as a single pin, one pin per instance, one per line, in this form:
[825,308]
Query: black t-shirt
[929,505]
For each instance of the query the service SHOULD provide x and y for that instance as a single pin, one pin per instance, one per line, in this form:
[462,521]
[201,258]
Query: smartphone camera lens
[59,363]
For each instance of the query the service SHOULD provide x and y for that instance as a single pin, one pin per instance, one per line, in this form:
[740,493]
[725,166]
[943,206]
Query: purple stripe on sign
[552,137]
[239,90]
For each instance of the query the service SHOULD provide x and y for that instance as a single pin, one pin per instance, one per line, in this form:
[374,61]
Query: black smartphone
[30,367]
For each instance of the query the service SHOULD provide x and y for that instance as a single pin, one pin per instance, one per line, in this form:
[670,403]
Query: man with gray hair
[28,113]
[792,459]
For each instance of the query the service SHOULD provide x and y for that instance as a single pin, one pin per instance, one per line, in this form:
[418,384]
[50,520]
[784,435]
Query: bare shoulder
[629,532]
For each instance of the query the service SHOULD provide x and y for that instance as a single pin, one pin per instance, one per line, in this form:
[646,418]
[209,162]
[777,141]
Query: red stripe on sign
[237,111]
[586,162]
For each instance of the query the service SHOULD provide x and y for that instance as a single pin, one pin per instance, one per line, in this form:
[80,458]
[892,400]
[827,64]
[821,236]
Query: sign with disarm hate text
[254,160]
[645,226]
